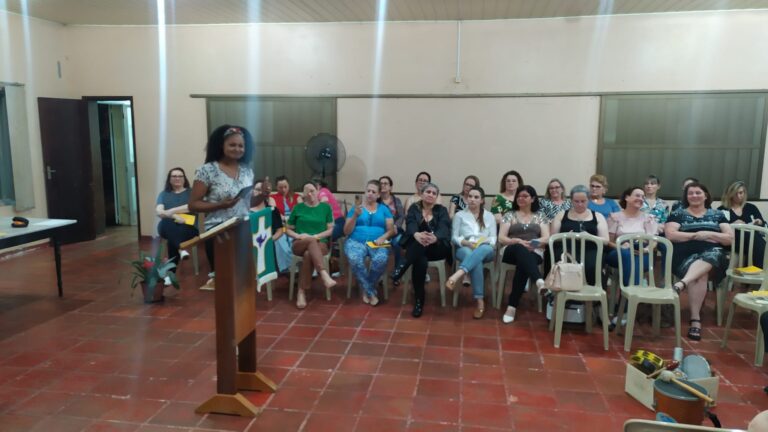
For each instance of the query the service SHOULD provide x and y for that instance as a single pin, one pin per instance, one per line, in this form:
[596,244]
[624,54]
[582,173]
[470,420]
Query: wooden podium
[235,321]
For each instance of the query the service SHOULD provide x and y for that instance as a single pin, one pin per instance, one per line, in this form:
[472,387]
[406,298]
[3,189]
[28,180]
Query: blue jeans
[368,277]
[472,263]
[626,261]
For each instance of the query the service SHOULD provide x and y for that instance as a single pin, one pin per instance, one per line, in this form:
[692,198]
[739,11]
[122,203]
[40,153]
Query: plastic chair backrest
[575,243]
[637,425]
[644,246]
[739,256]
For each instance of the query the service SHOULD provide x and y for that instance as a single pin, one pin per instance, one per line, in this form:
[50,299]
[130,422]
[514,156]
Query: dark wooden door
[68,165]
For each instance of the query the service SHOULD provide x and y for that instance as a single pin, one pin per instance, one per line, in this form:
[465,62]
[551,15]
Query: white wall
[29,50]
[663,52]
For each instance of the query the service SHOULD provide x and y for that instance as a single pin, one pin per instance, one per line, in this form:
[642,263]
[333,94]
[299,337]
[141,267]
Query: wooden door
[68,165]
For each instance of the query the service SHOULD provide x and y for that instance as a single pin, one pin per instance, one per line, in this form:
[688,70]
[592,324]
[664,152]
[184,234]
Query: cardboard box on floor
[641,388]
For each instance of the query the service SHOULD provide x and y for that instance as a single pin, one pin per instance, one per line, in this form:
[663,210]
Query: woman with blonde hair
[555,200]
[598,186]
[737,210]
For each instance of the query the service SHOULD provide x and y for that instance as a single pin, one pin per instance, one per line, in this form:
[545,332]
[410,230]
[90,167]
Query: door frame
[135,153]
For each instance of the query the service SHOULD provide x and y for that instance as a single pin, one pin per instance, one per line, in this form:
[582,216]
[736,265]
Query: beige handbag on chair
[566,275]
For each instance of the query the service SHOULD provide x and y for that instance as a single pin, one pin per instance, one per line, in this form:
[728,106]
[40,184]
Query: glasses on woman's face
[596,186]
[554,187]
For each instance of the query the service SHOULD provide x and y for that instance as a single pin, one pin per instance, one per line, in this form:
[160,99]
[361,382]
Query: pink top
[335,206]
[620,224]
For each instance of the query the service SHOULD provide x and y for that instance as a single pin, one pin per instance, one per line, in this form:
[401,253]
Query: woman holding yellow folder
[173,211]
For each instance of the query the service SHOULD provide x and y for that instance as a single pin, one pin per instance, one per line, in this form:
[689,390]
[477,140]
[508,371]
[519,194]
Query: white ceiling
[144,12]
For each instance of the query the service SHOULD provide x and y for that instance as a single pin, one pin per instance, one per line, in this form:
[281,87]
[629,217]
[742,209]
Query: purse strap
[567,258]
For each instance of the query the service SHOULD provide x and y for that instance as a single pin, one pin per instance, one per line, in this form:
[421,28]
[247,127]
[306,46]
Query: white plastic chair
[637,425]
[440,266]
[502,269]
[645,246]
[741,257]
[747,301]
[572,242]
[293,270]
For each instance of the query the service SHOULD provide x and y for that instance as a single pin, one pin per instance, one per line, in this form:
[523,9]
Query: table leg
[57,257]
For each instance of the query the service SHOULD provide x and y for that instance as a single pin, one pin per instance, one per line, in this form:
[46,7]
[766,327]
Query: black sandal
[677,289]
[694,333]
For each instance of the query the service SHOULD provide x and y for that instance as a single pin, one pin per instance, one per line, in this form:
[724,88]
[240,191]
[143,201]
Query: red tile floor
[100,360]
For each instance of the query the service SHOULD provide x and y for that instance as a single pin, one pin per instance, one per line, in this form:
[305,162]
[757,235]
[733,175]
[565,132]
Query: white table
[38,229]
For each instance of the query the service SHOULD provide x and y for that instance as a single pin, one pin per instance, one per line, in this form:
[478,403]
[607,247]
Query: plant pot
[156,296]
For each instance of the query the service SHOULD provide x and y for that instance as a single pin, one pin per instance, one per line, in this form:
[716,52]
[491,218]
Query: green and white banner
[263,247]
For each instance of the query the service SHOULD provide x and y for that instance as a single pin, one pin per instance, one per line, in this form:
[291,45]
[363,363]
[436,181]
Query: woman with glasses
[598,186]
[227,170]
[554,200]
[459,201]
[504,201]
[171,203]
[427,238]
[422,178]
[368,227]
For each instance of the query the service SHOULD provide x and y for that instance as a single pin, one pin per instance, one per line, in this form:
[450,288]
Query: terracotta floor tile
[394,385]
[374,336]
[542,418]
[605,366]
[323,346]
[294,398]
[177,414]
[322,422]
[399,367]
[482,373]
[360,364]
[581,401]
[42,403]
[531,396]
[442,354]
[338,333]
[481,343]
[350,382]
[307,378]
[404,352]
[404,338]
[564,363]
[301,331]
[438,388]
[292,344]
[278,420]
[387,406]
[481,357]
[561,380]
[340,402]
[319,361]
[484,392]
[379,424]
[420,426]
[432,410]
[442,340]
[519,345]
[485,414]
[367,349]
[18,422]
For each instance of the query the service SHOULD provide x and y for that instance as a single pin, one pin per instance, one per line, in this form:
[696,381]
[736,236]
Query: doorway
[118,163]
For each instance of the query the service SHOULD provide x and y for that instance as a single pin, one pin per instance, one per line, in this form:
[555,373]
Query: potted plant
[149,272]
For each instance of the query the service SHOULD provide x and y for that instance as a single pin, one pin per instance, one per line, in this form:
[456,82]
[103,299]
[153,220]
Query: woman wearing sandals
[310,225]
[699,234]
[368,222]
[525,232]
[474,234]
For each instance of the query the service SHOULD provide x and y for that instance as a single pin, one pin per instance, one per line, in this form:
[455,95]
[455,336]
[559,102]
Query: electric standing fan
[325,154]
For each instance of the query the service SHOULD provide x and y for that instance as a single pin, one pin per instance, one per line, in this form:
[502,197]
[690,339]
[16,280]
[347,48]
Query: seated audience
[325,195]
[504,201]
[368,222]
[737,210]
[652,204]
[598,186]
[458,201]
[422,178]
[525,232]
[427,238]
[284,199]
[310,226]
[474,235]
[171,202]
[677,204]
[554,200]
[700,235]
[260,200]
[579,218]
[630,220]
[395,206]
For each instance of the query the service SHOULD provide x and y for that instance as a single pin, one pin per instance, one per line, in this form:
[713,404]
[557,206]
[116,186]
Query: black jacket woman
[427,237]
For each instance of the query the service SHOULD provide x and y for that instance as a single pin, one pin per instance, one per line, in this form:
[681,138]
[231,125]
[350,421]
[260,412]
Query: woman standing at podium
[226,171]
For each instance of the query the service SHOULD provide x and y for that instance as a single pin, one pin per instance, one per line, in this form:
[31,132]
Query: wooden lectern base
[235,404]
[255,381]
